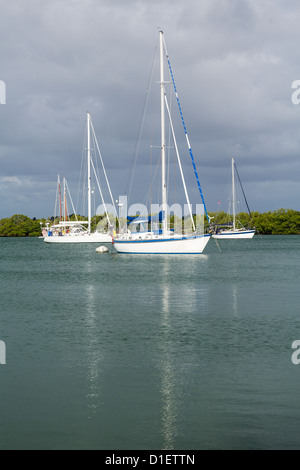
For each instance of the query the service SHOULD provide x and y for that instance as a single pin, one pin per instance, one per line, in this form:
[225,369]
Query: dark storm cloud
[234,62]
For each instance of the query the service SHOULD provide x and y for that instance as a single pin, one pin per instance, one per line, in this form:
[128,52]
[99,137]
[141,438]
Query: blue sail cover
[143,220]
[187,138]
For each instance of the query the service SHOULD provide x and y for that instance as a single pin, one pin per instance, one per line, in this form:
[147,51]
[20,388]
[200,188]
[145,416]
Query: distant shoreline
[279,222]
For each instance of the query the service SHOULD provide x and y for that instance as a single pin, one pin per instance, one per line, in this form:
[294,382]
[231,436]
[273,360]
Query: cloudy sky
[234,63]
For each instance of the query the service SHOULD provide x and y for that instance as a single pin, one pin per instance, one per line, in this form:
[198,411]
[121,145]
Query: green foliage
[279,222]
[100,222]
[19,226]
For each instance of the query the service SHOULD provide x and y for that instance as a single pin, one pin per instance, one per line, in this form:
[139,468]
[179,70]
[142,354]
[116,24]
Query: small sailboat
[80,231]
[234,232]
[164,240]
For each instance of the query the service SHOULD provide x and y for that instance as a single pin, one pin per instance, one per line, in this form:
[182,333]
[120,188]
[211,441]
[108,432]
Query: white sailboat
[80,231]
[234,232]
[165,241]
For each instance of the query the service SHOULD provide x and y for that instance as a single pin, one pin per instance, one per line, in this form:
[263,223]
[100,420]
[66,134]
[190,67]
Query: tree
[19,226]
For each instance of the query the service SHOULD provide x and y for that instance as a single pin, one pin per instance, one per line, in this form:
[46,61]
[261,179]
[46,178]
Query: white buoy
[102,249]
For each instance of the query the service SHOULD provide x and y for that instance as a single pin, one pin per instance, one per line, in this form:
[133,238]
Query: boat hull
[80,238]
[159,245]
[233,235]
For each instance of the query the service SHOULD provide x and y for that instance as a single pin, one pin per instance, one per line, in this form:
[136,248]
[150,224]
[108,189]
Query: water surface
[109,351]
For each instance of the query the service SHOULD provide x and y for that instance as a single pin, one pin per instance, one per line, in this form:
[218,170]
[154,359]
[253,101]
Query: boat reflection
[168,374]
[180,303]
[94,358]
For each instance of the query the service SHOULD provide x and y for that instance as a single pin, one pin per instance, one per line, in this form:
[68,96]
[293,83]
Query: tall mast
[59,191]
[163,138]
[65,201]
[89,172]
[233,194]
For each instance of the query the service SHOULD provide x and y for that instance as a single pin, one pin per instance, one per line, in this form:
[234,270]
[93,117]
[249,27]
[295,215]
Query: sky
[234,62]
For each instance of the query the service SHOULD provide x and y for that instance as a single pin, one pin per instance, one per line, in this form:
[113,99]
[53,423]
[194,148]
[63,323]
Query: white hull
[162,245]
[234,234]
[80,238]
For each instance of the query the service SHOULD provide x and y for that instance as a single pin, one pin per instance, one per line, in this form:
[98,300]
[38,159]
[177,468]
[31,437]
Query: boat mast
[65,201]
[163,138]
[89,173]
[233,193]
[59,191]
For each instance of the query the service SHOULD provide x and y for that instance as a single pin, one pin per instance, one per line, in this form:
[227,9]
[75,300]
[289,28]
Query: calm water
[122,352]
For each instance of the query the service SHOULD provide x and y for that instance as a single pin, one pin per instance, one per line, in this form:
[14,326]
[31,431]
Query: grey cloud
[234,62]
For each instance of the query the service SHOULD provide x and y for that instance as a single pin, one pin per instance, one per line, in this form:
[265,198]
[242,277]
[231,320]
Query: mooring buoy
[102,249]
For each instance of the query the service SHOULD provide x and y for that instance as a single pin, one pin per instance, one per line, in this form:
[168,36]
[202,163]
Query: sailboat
[165,241]
[80,231]
[234,232]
